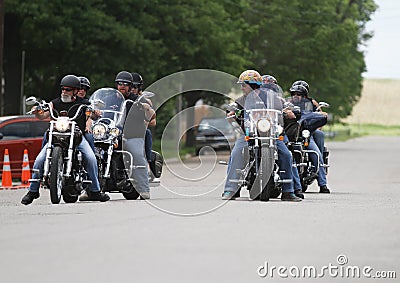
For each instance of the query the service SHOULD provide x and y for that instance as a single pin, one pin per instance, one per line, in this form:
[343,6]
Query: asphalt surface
[186,233]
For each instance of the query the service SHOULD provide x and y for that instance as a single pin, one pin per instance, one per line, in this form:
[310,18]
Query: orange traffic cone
[26,171]
[6,181]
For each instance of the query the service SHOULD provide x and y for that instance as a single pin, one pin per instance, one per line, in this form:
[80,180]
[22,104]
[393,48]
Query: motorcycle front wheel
[267,166]
[56,175]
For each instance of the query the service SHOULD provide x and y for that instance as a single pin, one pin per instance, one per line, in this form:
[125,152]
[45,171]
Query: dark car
[18,133]
[217,133]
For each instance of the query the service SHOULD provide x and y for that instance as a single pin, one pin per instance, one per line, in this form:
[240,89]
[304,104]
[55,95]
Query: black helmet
[124,76]
[137,79]
[85,82]
[299,89]
[303,83]
[71,81]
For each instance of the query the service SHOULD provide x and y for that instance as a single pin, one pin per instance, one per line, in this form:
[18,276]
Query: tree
[317,41]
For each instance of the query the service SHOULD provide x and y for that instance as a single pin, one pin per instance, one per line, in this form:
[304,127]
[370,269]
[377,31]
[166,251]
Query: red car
[18,133]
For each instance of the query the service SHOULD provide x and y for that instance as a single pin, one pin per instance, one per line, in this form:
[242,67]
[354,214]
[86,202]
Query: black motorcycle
[63,173]
[115,165]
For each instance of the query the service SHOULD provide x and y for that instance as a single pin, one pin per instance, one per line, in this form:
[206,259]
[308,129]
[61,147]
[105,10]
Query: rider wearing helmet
[136,91]
[299,92]
[85,86]
[250,81]
[139,114]
[70,102]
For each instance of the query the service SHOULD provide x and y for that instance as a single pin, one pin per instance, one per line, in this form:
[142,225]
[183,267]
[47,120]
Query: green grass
[348,131]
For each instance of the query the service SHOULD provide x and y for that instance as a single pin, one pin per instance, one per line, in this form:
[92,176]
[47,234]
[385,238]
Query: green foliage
[291,39]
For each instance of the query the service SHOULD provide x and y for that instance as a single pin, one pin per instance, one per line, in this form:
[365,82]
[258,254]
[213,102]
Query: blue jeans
[89,162]
[236,161]
[136,147]
[285,163]
[317,160]
[319,138]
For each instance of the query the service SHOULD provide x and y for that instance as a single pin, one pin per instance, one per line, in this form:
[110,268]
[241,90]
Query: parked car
[217,133]
[18,133]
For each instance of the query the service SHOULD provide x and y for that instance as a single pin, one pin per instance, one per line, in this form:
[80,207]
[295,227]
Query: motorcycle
[63,171]
[114,164]
[262,118]
[299,132]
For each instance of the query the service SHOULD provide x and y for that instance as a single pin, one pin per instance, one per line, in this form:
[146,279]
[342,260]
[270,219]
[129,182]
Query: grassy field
[377,104]
[374,114]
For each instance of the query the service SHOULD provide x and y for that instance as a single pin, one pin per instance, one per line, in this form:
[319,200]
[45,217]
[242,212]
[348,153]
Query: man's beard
[66,98]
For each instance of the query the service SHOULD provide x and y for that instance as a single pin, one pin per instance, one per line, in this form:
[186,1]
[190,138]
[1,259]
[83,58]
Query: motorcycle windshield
[265,103]
[110,103]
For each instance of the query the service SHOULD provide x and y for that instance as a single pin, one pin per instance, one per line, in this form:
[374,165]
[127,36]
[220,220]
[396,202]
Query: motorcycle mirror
[323,104]
[98,103]
[31,100]
[148,94]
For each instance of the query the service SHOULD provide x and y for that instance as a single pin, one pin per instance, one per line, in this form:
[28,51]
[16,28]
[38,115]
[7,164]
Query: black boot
[94,196]
[289,197]
[29,197]
[299,194]
[324,190]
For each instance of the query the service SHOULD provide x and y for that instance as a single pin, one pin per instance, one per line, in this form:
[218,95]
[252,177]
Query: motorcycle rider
[138,116]
[68,101]
[269,81]
[137,90]
[250,81]
[85,86]
[319,135]
[298,93]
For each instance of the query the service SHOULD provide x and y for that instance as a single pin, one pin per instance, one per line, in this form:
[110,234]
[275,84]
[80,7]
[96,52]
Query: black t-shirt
[135,126]
[71,108]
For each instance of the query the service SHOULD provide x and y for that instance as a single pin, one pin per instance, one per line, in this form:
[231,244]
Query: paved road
[187,234]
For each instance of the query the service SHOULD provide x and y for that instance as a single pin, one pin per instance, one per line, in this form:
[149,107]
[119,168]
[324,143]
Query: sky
[382,54]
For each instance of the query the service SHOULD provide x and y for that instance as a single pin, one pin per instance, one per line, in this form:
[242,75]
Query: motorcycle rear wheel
[56,181]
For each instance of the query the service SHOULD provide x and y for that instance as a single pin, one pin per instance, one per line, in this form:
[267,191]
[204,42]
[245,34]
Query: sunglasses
[67,89]
[135,86]
[295,94]
[123,83]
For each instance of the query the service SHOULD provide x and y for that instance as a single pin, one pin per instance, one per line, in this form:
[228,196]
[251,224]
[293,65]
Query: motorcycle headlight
[305,134]
[263,125]
[62,125]
[99,131]
[114,132]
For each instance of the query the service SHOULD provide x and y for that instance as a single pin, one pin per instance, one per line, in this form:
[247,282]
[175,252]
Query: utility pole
[1,56]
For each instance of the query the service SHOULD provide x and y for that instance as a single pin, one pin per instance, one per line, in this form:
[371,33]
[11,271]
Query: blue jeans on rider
[317,160]
[88,136]
[136,147]
[319,138]
[89,162]
[148,144]
[285,163]
[295,172]
[236,161]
